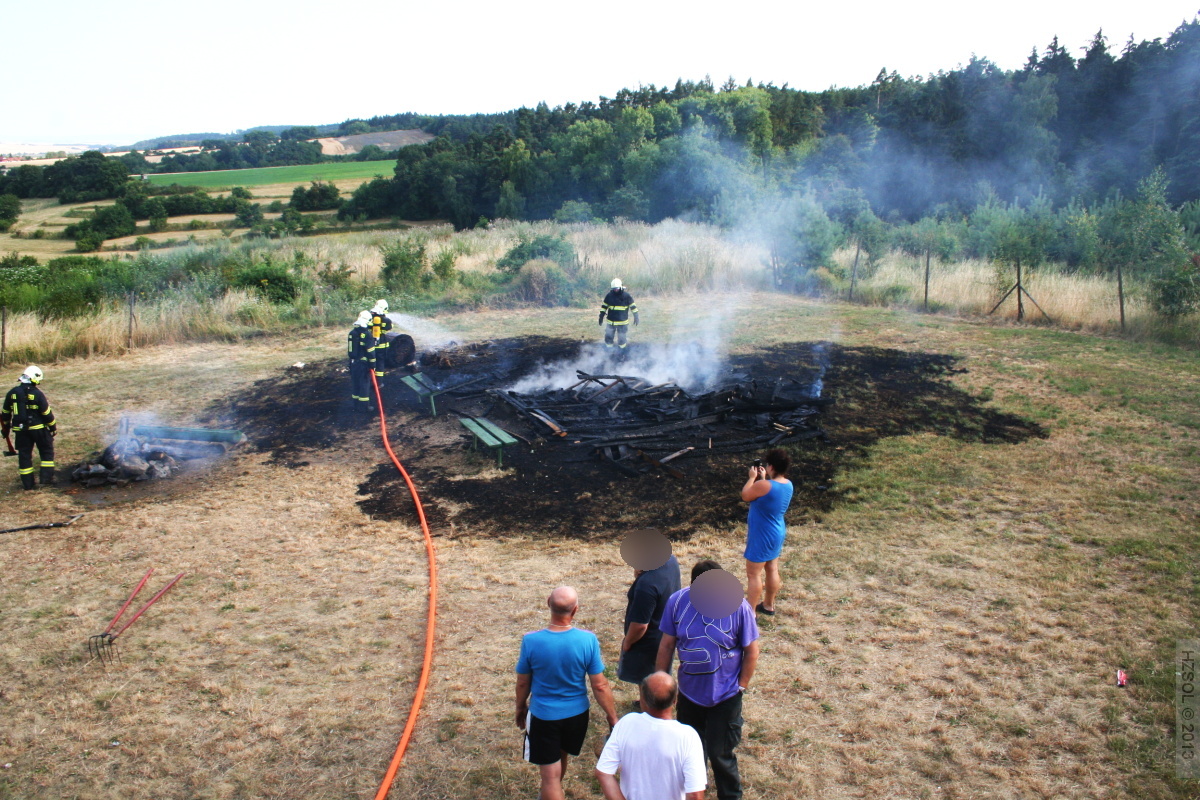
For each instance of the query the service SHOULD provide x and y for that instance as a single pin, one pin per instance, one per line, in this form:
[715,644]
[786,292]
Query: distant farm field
[342,171]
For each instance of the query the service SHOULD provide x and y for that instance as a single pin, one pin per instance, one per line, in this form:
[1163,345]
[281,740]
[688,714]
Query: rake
[103,645]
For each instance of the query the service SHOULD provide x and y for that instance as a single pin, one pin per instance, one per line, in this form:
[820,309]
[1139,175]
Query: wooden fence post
[129,342]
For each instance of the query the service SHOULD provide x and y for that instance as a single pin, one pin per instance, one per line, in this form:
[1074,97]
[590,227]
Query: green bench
[483,430]
[424,388]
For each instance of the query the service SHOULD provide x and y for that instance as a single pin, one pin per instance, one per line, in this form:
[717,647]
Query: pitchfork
[103,645]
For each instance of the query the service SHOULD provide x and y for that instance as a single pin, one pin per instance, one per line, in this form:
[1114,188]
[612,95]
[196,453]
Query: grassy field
[949,630]
[359,171]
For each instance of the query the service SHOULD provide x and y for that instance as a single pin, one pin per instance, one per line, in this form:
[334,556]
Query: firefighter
[380,324]
[617,306]
[360,347]
[27,412]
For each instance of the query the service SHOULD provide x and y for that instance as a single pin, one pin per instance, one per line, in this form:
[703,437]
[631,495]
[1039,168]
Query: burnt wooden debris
[152,452]
[638,427]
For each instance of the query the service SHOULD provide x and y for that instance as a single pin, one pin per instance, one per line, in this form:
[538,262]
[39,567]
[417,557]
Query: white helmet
[616,283]
[32,374]
[380,307]
[364,319]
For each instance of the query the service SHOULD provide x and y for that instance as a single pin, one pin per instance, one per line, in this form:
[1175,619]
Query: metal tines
[103,646]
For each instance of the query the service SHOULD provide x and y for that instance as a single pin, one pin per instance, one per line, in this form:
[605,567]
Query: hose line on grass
[423,681]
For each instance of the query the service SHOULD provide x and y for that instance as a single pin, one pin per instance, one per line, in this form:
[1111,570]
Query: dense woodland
[1069,159]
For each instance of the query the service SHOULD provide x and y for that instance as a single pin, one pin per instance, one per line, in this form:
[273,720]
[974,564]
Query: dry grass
[950,632]
[1072,301]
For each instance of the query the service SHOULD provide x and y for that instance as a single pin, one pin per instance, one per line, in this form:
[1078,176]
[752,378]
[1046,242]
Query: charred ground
[545,487]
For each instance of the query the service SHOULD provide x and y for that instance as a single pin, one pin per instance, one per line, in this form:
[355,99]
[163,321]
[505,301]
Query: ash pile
[638,427]
[152,452]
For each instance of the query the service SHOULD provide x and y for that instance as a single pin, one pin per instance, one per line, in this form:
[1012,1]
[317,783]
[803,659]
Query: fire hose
[423,681]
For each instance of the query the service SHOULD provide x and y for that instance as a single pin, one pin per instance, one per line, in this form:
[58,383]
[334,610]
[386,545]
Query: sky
[119,71]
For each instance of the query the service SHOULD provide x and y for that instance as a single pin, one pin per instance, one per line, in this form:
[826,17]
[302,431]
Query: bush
[543,282]
[88,241]
[113,222]
[15,261]
[248,214]
[272,281]
[574,211]
[318,197]
[1176,292]
[443,265]
[403,263]
[552,248]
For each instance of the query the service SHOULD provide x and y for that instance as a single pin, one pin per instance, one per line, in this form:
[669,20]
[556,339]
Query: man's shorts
[547,739]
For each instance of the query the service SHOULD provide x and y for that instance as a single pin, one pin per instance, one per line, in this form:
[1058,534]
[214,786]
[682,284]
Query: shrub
[552,248]
[248,214]
[443,265]
[1176,292]
[574,211]
[403,263]
[318,197]
[88,241]
[16,261]
[543,282]
[272,281]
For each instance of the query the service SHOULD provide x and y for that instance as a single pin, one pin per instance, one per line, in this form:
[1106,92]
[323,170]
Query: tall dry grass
[1074,301]
[666,258]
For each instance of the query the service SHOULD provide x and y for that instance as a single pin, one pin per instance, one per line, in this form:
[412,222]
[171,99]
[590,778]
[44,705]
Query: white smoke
[694,356]
[821,351]
[427,335]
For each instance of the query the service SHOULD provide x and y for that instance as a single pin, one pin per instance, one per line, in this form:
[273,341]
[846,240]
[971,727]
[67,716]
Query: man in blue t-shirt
[717,658]
[555,666]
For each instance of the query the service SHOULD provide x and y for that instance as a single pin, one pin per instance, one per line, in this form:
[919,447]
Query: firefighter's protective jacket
[618,305]
[26,409]
[360,345]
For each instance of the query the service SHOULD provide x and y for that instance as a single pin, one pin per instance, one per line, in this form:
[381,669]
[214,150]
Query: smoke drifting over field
[694,355]
[428,335]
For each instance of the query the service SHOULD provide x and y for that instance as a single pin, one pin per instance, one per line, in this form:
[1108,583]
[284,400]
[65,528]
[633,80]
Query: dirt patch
[549,488]
[388,140]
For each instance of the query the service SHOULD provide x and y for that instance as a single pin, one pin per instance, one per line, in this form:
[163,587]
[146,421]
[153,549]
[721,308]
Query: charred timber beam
[630,471]
[674,473]
[655,431]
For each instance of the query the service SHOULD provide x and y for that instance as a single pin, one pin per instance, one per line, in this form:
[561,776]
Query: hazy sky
[118,71]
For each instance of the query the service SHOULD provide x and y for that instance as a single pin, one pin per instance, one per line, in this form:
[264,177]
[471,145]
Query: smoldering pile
[638,427]
[152,452]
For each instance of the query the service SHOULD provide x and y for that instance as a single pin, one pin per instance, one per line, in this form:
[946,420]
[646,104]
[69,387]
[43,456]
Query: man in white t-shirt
[659,758]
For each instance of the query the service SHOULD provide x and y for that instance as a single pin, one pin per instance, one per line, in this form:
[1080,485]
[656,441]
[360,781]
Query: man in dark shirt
[647,597]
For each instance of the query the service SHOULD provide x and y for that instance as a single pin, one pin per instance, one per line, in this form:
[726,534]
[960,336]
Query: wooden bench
[486,431]
[425,388]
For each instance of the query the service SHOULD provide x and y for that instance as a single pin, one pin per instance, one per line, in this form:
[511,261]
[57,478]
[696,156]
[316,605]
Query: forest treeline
[1091,161]
[1062,128]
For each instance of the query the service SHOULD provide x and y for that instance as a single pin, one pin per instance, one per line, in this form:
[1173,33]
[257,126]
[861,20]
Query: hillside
[386,140]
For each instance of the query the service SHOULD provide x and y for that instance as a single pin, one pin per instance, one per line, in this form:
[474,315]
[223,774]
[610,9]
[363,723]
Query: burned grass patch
[550,487]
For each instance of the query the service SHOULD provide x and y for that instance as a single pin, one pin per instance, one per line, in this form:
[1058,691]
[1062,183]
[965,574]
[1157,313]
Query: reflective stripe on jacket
[37,414]
[360,346]
[617,305]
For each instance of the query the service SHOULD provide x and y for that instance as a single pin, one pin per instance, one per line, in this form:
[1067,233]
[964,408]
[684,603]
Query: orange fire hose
[423,681]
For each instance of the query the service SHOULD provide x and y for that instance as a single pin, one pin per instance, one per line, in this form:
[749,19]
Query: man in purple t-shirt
[717,658]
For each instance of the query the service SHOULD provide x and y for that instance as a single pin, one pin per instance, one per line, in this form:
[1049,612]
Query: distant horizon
[376,70]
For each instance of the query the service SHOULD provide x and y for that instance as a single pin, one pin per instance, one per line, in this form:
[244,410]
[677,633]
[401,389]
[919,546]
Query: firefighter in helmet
[617,306]
[380,324]
[360,347]
[27,412]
